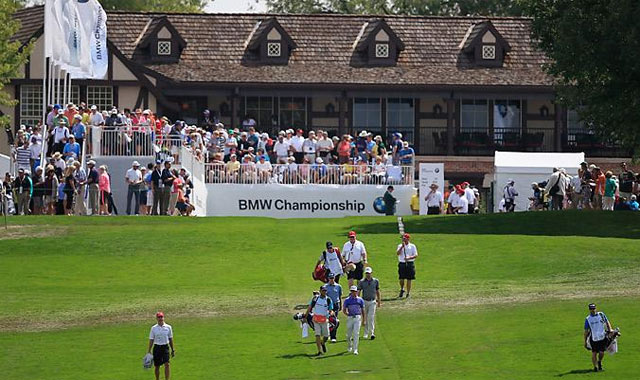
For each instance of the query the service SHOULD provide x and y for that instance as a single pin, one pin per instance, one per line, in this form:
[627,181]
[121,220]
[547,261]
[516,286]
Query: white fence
[287,174]
[129,141]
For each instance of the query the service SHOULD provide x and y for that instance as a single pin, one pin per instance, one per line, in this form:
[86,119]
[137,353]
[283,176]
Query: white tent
[526,168]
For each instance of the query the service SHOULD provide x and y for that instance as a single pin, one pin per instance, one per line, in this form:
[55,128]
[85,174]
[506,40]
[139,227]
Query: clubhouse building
[457,88]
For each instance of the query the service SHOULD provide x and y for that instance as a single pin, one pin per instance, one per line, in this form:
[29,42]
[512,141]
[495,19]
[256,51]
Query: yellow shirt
[415,202]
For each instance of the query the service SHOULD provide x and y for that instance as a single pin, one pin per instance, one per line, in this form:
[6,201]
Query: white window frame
[101,96]
[488,52]
[274,49]
[382,50]
[30,104]
[164,48]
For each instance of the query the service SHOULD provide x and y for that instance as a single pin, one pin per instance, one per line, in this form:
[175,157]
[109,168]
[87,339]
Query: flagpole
[64,91]
[58,95]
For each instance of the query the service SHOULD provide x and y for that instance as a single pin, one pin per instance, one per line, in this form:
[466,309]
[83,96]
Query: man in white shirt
[596,326]
[309,147]
[160,339]
[471,197]
[296,146]
[452,200]
[134,181]
[355,255]
[407,254]
[461,204]
[332,260]
[264,169]
[281,148]
[435,201]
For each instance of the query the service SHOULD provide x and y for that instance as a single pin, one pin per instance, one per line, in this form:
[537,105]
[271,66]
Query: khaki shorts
[321,329]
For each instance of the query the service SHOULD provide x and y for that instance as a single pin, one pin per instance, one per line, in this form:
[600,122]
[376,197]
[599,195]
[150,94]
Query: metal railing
[347,174]
[130,141]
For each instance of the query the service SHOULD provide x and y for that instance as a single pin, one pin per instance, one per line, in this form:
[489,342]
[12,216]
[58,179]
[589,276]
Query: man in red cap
[461,204]
[407,254]
[160,339]
[354,253]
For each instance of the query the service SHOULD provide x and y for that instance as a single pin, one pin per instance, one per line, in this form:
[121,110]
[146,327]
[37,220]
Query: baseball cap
[329,244]
[135,163]
[94,107]
[323,287]
[352,233]
[60,111]
[79,117]
[368,270]
[406,236]
[331,275]
[300,131]
[159,314]
[91,162]
[353,288]
[592,306]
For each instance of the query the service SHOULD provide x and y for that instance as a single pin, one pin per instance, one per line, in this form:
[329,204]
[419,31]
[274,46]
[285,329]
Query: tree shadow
[575,372]
[549,223]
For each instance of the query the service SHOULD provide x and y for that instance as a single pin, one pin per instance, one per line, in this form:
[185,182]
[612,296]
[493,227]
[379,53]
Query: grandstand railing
[136,140]
[220,173]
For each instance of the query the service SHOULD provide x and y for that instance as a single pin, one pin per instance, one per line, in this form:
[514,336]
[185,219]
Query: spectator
[78,130]
[60,132]
[324,146]
[461,204]
[81,184]
[296,146]
[104,183]
[51,187]
[633,203]
[35,148]
[70,189]
[23,156]
[510,193]
[133,178]
[471,197]
[599,189]
[609,192]
[23,188]
[71,149]
[556,188]
[233,169]
[406,154]
[344,150]
[37,180]
[309,147]
[230,145]
[166,178]
[177,186]
[282,149]
[264,169]
[626,179]
[248,122]
[93,180]
[396,147]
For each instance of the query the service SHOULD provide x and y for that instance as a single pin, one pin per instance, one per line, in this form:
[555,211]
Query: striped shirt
[23,155]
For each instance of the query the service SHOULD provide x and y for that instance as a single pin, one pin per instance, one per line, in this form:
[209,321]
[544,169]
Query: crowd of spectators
[591,189]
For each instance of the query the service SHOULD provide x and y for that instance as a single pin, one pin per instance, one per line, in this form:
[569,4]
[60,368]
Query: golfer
[332,260]
[369,290]
[353,308]
[355,256]
[160,339]
[596,326]
[407,254]
[322,308]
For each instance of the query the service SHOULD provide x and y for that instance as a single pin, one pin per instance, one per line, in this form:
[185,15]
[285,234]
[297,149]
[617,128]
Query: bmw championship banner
[75,35]
[430,173]
[303,201]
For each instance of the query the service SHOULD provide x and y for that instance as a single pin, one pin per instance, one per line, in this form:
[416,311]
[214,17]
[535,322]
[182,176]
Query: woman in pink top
[175,189]
[104,184]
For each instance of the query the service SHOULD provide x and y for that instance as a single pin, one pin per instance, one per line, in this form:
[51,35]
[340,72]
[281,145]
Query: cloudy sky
[236,6]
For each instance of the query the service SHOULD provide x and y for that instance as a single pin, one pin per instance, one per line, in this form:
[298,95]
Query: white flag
[94,22]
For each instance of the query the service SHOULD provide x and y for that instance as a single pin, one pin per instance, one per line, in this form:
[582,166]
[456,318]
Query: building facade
[457,88]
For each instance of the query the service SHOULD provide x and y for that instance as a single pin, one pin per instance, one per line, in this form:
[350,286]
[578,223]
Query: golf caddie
[596,326]
[160,340]
[355,256]
[322,308]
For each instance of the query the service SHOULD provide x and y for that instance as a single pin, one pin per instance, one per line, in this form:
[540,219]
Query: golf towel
[147,361]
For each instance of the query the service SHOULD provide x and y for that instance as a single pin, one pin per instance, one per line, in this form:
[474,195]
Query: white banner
[75,37]
[303,201]
[430,173]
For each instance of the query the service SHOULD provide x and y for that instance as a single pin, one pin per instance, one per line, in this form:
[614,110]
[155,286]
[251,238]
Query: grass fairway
[497,296]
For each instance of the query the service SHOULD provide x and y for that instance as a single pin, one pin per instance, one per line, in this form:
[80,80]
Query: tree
[594,47]
[405,7]
[186,6]
[12,57]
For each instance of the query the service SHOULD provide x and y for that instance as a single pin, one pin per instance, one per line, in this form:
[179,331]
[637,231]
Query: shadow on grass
[293,356]
[575,372]
[549,223]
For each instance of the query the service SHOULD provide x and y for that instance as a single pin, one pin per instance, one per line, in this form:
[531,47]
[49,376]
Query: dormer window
[159,42]
[376,45]
[485,45]
[488,52]
[273,49]
[382,50]
[268,44]
[164,47]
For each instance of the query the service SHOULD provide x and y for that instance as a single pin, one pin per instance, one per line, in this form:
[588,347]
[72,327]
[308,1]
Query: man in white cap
[353,308]
[369,290]
[322,308]
[60,132]
[134,182]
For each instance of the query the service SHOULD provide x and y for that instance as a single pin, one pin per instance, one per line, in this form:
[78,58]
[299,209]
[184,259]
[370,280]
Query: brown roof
[431,55]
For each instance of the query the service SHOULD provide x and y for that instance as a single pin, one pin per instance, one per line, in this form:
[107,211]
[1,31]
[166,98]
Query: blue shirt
[73,148]
[335,293]
[354,305]
[61,191]
[406,151]
[634,206]
[78,130]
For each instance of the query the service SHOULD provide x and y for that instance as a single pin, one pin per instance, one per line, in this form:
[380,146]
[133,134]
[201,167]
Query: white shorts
[149,198]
